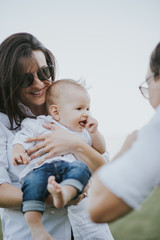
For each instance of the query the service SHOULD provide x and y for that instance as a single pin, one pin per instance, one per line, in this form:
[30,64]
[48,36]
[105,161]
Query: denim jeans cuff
[74,183]
[33,205]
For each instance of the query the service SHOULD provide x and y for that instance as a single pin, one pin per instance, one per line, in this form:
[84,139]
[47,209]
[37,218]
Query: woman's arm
[88,155]
[11,196]
[61,141]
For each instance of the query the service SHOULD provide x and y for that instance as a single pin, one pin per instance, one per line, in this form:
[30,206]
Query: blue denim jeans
[34,188]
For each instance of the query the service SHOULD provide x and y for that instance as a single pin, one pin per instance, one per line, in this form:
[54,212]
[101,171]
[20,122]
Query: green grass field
[138,225]
[1,236]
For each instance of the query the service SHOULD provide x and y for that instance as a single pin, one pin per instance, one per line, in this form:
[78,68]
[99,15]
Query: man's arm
[107,207]
[113,208]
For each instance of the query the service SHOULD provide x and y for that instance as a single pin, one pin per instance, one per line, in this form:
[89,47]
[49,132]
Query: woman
[27,69]
[137,165]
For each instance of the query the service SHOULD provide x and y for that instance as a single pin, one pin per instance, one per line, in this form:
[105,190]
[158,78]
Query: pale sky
[106,42]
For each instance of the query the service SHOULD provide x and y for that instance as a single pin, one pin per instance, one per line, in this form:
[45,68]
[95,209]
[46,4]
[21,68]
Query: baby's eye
[88,109]
[79,108]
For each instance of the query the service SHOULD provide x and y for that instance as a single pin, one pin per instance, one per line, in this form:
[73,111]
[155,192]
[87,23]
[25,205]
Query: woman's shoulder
[5,126]
[4,120]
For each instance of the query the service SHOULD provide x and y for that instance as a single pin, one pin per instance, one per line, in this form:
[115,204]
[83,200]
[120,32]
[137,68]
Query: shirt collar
[25,109]
[158,108]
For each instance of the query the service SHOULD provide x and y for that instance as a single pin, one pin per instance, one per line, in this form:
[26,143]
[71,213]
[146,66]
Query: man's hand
[127,144]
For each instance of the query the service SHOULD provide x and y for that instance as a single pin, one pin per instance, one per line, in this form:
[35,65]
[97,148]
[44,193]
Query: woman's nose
[37,82]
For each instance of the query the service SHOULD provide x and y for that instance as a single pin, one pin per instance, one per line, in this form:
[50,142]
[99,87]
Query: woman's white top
[134,175]
[55,221]
[14,226]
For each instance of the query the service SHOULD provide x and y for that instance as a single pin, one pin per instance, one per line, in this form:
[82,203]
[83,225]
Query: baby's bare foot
[56,191]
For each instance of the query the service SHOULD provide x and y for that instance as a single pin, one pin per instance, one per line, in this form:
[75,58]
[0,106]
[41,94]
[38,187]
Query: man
[125,183]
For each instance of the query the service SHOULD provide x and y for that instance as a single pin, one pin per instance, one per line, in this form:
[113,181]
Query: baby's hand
[91,125]
[19,155]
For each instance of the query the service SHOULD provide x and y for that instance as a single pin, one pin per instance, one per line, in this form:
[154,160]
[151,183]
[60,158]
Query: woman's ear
[54,112]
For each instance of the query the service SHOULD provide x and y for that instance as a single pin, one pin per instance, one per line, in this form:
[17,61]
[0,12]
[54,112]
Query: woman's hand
[81,197]
[61,142]
[49,201]
[58,142]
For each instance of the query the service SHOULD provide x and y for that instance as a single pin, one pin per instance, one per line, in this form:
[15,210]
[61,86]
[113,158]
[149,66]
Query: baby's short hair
[56,89]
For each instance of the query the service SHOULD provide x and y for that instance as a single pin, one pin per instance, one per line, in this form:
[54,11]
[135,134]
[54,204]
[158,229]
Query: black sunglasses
[43,74]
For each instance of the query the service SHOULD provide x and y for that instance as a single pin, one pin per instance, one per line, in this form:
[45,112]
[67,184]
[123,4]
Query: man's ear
[54,112]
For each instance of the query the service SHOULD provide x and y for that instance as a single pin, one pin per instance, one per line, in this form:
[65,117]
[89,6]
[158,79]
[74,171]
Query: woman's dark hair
[12,50]
[155,60]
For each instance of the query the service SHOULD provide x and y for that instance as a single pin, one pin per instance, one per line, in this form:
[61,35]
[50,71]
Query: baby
[65,177]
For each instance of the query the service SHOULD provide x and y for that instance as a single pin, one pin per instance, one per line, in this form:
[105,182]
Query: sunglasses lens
[27,80]
[45,73]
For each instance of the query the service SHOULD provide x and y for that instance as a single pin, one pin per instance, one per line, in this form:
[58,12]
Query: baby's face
[74,109]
